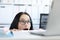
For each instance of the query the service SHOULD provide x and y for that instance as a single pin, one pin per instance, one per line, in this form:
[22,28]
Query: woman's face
[24,22]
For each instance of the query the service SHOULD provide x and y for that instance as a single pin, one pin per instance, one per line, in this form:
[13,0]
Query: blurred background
[9,8]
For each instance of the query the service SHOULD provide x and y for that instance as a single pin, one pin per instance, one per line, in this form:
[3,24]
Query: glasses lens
[24,22]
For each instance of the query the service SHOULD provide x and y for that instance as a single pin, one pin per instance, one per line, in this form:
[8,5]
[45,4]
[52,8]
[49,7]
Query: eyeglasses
[24,22]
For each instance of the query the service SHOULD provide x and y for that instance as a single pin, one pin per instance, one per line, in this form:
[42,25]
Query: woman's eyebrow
[25,20]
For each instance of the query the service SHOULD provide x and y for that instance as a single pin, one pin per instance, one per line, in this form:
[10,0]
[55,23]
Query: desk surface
[34,38]
[26,35]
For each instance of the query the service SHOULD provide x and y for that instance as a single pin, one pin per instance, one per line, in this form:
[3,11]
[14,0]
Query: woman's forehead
[24,17]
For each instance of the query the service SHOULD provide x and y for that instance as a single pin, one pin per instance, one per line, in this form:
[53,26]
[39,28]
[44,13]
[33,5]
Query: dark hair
[14,24]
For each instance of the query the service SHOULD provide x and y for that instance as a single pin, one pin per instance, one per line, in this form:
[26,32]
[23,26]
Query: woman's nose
[26,23]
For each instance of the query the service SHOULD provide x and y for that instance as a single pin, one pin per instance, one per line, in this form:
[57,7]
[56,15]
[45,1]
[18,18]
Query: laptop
[53,23]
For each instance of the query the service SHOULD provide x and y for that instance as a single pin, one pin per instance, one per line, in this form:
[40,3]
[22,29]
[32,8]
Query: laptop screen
[43,20]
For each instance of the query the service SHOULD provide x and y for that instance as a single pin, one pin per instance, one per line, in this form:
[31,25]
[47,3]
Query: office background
[9,8]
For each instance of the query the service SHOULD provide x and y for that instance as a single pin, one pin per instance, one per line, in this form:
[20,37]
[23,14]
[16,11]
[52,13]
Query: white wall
[8,9]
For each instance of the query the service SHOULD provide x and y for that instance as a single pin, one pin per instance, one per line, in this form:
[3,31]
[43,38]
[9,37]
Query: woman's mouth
[25,29]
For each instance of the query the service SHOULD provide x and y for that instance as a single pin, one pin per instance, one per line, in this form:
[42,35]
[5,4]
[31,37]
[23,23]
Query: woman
[22,21]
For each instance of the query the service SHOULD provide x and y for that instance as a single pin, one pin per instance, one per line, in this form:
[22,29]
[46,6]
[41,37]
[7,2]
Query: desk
[33,38]
[27,36]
